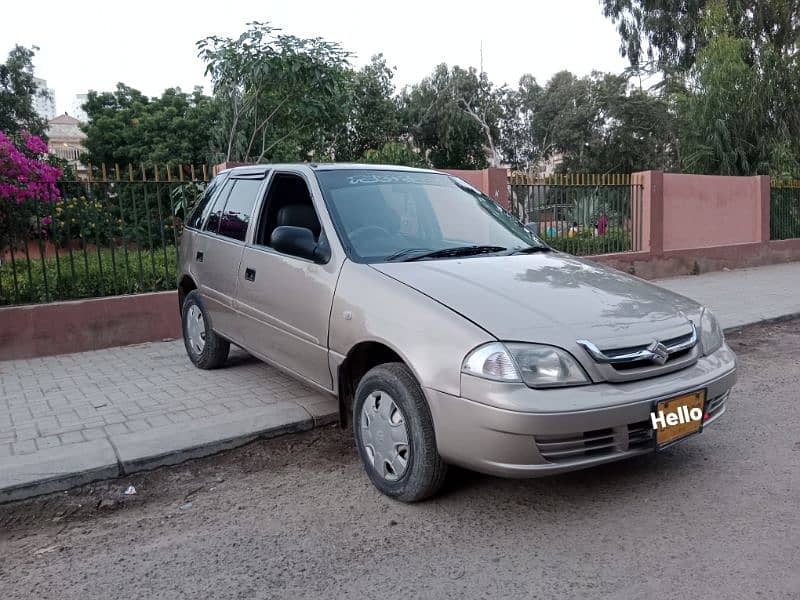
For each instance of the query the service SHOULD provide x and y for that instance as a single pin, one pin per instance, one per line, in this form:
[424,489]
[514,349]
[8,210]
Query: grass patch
[87,274]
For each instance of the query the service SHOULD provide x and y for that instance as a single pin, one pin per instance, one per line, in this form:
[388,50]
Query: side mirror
[300,242]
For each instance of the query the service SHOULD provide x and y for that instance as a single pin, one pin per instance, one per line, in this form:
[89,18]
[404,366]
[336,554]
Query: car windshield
[385,215]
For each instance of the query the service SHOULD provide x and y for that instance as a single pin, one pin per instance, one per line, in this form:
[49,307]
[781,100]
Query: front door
[287,300]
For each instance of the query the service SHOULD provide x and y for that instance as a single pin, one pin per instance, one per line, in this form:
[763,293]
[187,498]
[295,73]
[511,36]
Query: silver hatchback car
[449,333]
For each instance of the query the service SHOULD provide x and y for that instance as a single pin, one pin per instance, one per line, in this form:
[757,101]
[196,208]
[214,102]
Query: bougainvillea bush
[27,181]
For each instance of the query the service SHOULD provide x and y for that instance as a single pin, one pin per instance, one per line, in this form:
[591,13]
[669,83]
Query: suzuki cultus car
[449,333]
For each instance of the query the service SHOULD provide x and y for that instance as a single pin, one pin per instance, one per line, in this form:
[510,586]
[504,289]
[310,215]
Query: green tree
[565,117]
[671,32]
[599,123]
[126,127]
[519,138]
[740,112]
[372,116]
[395,153]
[17,93]
[453,116]
[633,129]
[279,97]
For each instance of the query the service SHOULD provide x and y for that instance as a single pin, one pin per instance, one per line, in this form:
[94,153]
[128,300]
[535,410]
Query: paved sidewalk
[71,419]
[744,296]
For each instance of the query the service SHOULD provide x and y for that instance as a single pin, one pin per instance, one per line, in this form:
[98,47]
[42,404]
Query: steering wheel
[364,229]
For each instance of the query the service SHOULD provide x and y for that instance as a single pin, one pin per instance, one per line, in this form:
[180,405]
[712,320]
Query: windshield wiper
[457,251]
[404,252]
[532,249]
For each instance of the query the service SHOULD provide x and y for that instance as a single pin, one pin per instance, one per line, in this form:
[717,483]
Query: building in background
[66,140]
[76,110]
[45,100]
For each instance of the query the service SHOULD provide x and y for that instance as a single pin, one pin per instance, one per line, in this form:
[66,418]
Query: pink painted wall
[91,324]
[703,211]
[641,211]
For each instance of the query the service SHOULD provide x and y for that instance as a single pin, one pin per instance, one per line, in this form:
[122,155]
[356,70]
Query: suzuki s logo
[659,352]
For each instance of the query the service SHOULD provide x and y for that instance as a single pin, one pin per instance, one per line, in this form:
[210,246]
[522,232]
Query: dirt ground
[295,517]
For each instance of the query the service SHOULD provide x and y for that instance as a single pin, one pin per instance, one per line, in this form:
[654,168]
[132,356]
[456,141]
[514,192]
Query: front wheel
[205,348]
[394,434]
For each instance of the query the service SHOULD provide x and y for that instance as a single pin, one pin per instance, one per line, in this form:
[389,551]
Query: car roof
[261,170]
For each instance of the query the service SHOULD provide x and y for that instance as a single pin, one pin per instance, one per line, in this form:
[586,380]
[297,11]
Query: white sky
[149,45]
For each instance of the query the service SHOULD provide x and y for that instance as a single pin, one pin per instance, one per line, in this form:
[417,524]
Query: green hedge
[586,245]
[88,274]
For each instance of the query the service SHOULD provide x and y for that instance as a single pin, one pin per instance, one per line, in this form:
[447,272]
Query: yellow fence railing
[520,178]
[156,173]
[789,183]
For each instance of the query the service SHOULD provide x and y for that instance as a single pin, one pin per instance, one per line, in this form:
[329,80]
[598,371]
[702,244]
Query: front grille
[677,342]
[623,364]
[646,364]
[670,343]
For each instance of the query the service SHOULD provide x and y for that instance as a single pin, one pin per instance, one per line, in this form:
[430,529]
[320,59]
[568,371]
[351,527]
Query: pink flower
[36,145]
[23,177]
[46,221]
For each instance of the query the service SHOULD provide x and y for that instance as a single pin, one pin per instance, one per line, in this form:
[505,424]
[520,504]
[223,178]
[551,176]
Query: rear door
[217,252]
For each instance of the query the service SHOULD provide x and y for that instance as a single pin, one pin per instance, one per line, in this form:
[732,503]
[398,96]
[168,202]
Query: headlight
[711,336]
[491,361]
[534,364]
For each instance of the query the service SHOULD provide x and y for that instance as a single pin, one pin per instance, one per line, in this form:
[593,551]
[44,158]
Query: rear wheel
[205,348]
[394,434]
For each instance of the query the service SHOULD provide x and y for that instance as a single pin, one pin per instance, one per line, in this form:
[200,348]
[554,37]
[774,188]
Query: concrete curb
[60,469]
[56,469]
[765,321]
[177,443]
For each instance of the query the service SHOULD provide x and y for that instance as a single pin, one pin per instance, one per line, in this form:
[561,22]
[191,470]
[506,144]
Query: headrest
[299,215]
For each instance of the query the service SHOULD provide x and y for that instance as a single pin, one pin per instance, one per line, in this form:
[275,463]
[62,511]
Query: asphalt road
[715,517]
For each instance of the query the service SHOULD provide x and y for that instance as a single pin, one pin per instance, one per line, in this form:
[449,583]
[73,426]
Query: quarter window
[214,210]
[198,215]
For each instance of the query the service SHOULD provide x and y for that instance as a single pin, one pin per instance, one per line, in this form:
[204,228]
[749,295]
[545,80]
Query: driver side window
[288,203]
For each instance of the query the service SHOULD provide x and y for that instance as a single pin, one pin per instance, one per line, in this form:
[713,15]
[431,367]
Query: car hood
[550,298]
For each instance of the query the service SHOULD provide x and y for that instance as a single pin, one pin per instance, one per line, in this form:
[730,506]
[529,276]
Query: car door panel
[287,302]
[288,306]
[220,265]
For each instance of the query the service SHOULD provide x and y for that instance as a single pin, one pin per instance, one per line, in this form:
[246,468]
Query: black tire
[425,470]
[215,350]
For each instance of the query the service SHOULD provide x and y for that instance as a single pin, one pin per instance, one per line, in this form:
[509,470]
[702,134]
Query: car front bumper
[511,430]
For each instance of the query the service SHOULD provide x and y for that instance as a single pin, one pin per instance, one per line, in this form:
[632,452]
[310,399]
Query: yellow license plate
[675,418]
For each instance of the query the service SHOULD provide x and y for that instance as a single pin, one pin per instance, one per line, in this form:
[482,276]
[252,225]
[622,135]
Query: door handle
[250,274]
[199,257]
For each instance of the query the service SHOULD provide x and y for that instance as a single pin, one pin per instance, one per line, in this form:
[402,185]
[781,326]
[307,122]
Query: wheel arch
[185,285]
[362,357]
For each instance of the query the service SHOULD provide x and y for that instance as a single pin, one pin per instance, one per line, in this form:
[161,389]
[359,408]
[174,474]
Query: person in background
[573,231]
[602,224]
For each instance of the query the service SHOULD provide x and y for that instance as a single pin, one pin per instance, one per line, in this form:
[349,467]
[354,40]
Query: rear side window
[200,211]
[239,209]
[214,210]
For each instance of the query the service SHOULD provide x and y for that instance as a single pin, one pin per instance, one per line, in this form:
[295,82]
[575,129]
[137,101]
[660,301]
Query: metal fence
[115,232]
[784,209]
[583,214]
